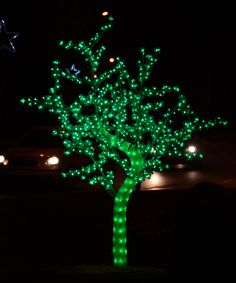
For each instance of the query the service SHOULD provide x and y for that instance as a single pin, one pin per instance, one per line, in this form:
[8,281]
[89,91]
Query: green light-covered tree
[130,123]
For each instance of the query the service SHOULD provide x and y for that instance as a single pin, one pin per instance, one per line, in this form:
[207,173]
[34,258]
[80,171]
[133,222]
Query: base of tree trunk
[85,273]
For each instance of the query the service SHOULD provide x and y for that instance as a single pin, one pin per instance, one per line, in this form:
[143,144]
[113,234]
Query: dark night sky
[196,41]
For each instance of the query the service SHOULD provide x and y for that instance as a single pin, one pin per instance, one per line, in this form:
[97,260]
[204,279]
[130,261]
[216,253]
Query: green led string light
[131,124]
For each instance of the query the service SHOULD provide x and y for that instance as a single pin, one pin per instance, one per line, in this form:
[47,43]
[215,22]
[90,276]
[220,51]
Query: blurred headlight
[53,160]
[192,148]
[2,158]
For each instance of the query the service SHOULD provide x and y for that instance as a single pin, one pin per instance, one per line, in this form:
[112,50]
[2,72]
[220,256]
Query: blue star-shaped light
[73,69]
[7,37]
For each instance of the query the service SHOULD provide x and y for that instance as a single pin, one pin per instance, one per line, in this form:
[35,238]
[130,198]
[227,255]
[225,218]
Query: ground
[64,236]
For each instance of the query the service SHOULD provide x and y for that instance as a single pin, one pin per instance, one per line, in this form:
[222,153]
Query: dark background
[187,229]
[197,42]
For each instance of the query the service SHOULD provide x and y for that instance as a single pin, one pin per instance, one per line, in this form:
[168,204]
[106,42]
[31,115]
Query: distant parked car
[36,153]
[193,148]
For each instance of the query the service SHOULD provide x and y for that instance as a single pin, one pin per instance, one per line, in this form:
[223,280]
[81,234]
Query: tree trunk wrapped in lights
[128,122]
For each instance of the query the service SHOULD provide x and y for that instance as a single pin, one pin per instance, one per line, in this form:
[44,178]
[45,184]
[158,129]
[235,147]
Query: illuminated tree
[120,118]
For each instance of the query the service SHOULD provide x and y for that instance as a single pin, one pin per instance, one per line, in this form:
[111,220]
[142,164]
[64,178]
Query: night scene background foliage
[197,45]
